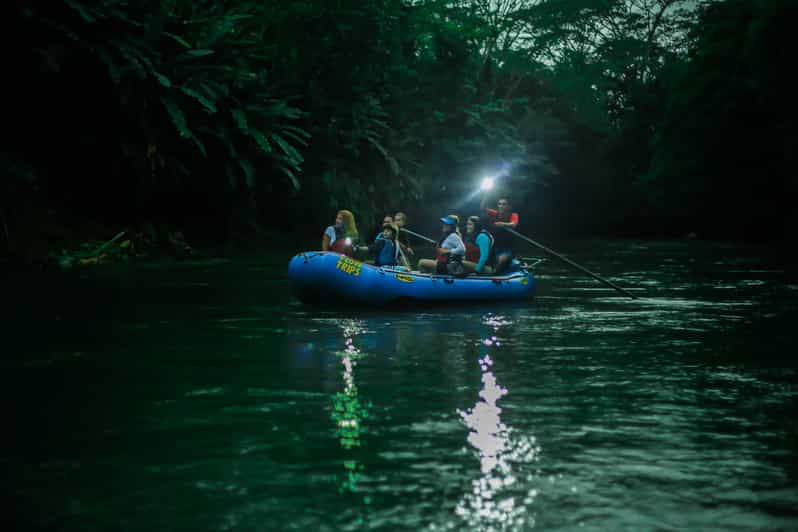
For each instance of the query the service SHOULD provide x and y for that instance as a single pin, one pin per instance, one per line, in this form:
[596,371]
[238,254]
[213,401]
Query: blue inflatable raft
[318,276]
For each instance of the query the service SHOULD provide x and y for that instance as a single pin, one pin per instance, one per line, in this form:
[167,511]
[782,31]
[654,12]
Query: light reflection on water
[494,503]
[348,412]
[488,434]
[672,411]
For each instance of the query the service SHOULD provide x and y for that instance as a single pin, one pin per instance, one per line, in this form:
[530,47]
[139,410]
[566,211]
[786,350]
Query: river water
[202,396]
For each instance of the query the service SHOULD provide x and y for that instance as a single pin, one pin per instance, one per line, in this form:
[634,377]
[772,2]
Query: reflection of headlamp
[487,183]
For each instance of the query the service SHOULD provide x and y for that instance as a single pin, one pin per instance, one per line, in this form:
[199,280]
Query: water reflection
[488,434]
[496,502]
[348,412]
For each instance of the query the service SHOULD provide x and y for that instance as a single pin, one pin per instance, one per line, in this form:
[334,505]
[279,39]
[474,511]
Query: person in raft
[450,251]
[479,247]
[400,219]
[456,224]
[387,219]
[343,236]
[384,248]
[501,217]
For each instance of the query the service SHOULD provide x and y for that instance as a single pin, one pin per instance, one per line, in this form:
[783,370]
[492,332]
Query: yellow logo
[347,265]
[524,281]
[404,278]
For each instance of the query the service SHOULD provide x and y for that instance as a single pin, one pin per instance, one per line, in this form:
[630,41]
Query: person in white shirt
[450,251]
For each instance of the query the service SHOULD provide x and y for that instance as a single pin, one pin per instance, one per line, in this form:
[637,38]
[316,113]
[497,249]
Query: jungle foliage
[603,115]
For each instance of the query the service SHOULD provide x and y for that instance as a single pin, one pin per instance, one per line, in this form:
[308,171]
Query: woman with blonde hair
[343,236]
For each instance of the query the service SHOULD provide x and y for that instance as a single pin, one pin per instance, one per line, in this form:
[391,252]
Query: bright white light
[348,241]
[487,183]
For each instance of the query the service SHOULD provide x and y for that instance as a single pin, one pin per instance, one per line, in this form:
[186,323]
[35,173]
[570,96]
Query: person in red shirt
[498,218]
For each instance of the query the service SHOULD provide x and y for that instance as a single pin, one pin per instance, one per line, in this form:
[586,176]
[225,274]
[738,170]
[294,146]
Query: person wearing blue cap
[450,251]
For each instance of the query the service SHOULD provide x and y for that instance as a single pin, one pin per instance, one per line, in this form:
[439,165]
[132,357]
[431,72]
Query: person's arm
[405,243]
[483,242]
[327,239]
[446,246]
[403,260]
[407,250]
[491,215]
[376,247]
[459,247]
[399,254]
[512,224]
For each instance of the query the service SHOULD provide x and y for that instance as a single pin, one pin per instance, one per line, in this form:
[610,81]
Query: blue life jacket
[387,255]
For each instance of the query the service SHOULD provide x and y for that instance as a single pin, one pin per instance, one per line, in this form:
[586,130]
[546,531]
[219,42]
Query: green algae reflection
[348,411]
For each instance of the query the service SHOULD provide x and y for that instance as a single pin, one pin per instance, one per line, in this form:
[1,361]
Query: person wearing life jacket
[343,236]
[497,219]
[449,253]
[479,247]
[384,248]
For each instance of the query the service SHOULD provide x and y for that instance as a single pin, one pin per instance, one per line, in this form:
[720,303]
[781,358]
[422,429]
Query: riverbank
[45,243]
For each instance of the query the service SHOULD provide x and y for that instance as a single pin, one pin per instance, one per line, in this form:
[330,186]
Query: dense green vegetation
[219,118]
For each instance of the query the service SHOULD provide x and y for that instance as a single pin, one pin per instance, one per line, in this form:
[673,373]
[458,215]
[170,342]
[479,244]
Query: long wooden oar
[422,237]
[569,261]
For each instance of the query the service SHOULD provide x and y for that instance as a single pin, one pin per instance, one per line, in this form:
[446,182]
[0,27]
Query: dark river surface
[201,396]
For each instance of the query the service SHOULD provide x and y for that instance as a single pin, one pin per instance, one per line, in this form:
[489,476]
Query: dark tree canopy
[604,117]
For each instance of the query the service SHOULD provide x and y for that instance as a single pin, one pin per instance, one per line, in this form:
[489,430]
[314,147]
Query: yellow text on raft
[347,265]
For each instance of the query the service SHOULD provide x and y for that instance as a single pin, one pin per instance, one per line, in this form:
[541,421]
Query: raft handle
[312,255]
